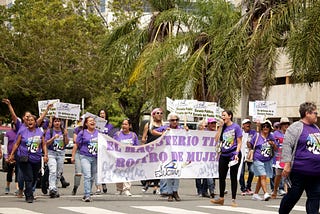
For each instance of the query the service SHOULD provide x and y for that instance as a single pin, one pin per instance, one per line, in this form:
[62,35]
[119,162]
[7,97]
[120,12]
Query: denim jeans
[30,174]
[203,184]
[242,182]
[172,185]
[55,164]
[163,186]
[301,182]
[89,171]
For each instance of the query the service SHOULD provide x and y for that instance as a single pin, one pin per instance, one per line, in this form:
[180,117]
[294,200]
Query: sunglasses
[173,120]
[266,126]
[159,113]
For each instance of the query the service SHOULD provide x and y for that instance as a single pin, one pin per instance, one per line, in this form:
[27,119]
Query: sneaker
[282,192]
[53,194]
[249,192]
[98,192]
[226,192]
[29,199]
[217,201]
[244,193]
[74,191]
[127,193]
[7,190]
[256,197]
[266,197]
[212,195]
[233,203]
[104,188]
[86,199]
[19,193]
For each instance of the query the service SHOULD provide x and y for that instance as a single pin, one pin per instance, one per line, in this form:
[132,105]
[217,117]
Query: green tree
[50,51]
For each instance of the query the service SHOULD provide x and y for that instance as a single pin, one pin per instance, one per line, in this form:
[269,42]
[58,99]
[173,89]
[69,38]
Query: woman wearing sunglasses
[264,146]
[171,183]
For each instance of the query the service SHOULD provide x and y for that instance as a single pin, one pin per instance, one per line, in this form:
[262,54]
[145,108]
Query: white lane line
[167,210]
[8,210]
[90,210]
[239,209]
[296,208]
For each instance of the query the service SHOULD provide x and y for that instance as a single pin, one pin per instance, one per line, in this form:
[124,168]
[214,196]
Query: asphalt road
[139,202]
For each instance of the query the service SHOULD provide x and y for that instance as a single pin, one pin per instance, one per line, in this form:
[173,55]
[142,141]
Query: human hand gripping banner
[176,154]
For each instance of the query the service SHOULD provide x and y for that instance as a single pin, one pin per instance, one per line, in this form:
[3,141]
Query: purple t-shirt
[263,150]
[77,130]
[107,128]
[57,144]
[279,137]
[31,144]
[128,139]
[11,135]
[229,140]
[307,156]
[88,143]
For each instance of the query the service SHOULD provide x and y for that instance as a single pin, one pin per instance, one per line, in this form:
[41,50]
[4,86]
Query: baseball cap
[276,124]
[284,120]
[212,120]
[245,121]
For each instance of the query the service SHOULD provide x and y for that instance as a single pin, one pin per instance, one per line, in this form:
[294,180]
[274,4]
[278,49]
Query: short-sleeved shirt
[263,151]
[127,139]
[30,145]
[11,135]
[279,137]
[229,139]
[307,156]
[88,143]
[107,128]
[57,144]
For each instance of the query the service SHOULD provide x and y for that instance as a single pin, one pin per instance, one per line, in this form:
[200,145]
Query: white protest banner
[43,104]
[205,109]
[170,105]
[68,111]
[100,122]
[177,154]
[262,108]
[185,107]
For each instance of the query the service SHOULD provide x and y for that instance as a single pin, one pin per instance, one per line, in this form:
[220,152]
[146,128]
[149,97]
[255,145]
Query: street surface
[142,203]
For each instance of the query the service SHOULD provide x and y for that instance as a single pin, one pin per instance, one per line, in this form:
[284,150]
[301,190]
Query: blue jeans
[30,174]
[172,185]
[55,164]
[89,171]
[203,184]
[301,182]
[163,186]
[242,182]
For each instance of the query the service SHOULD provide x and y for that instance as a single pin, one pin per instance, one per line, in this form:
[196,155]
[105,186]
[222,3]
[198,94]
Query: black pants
[223,170]
[30,174]
[11,167]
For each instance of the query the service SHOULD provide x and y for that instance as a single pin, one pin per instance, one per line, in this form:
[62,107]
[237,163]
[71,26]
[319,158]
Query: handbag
[249,157]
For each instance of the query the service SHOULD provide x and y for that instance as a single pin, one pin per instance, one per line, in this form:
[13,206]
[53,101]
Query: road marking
[168,210]
[8,210]
[90,210]
[297,207]
[239,209]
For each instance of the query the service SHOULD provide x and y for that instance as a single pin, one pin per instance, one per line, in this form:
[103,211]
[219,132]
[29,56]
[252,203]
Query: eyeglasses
[173,120]
[159,113]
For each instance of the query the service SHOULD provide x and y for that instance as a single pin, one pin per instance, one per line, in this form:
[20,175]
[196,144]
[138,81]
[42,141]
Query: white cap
[245,121]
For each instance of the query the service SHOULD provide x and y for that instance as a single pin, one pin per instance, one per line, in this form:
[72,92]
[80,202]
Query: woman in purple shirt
[11,135]
[87,143]
[30,146]
[230,136]
[264,147]
[127,137]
